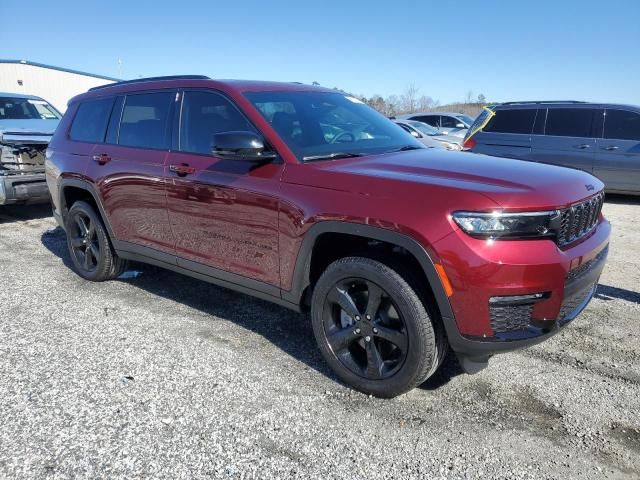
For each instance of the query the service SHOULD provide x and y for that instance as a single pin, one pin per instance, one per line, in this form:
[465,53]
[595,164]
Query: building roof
[52,67]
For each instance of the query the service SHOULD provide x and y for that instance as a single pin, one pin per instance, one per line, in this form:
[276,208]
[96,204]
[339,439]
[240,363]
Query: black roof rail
[541,101]
[153,79]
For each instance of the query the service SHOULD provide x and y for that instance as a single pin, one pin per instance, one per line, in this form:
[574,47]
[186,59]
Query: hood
[43,127]
[513,184]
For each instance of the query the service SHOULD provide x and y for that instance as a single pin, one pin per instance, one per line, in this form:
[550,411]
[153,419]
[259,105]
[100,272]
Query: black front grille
[510,318]
[579,219]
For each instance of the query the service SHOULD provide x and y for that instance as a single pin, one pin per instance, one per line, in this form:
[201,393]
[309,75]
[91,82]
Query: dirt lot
[162,376]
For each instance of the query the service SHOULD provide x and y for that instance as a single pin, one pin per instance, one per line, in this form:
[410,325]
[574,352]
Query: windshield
[320,125]
[26,109]
[425,128]
[466,119]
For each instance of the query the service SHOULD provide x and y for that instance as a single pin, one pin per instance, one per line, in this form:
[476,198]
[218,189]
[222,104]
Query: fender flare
[91,190]
[301,272]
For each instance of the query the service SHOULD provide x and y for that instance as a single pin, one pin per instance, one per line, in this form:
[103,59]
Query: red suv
[306,197]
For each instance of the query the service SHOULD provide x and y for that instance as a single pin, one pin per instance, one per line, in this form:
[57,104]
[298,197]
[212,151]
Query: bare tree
[482,99]
[469,97]
[392,105]
[426,103]
[409,98]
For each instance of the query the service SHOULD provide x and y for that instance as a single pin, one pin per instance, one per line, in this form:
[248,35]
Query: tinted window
[511,121]
[114,121]
[449,122]
[541,118]
[622,125]
[204,114]
[433,120]
[145,120]
[90,122]
[569,122]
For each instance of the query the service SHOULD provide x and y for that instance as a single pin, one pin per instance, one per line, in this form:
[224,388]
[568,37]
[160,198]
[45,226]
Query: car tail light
[469,143]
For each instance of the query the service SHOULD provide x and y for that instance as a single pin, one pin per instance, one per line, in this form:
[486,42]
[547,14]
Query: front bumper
[23,188]
[481,270]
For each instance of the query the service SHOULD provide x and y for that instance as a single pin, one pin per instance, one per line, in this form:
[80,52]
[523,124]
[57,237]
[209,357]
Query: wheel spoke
[82,225]
[91,230]
[374,299]
[87,259]
[396,337]
[374,360]
[77,242]
[341,339]
[342,298]
[94,252]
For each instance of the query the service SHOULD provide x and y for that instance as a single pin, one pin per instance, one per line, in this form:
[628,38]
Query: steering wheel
[337,138]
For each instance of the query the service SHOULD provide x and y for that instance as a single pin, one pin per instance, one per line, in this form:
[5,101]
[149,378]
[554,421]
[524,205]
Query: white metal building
[55,84]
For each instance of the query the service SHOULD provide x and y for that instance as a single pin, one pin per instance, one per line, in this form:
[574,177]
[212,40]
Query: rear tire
[91,250]
[372,328]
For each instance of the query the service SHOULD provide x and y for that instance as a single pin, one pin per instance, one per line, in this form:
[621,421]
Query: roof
[52,67]
[198,81]
[560,103]
[20,95]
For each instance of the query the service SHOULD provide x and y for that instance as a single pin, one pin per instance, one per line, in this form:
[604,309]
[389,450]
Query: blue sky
[507,50]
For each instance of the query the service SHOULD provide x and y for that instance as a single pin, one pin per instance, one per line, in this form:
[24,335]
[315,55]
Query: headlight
[451,146]
[510,225]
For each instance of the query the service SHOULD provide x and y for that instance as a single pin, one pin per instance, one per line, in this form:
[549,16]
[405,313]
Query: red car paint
[252,221]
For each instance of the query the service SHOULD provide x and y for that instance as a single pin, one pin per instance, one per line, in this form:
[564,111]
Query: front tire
[373,329]
[91,251]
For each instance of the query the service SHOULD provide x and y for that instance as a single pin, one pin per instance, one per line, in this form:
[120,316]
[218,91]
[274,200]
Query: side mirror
[460,125]
[246,146]
[414,134]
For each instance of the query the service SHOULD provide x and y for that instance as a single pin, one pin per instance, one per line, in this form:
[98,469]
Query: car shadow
[289,331]
[19,213]
[607,293]
[622,199]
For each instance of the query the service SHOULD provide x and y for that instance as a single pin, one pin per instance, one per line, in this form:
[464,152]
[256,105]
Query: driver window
[205,114]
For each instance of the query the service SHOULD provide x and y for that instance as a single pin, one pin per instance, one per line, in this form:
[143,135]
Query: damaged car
[26,126]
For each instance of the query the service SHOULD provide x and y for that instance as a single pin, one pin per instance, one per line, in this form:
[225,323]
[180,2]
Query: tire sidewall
[103,242]
[420,333]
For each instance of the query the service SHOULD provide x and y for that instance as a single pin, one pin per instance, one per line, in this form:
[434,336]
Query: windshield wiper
[405,149]
[332,156]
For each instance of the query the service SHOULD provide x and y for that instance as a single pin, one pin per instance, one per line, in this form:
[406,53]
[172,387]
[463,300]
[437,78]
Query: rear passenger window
[145,120]
[204,114]
[449,122]
[622,125]
[569,122]
[90,122]
[511,121]
[433,120]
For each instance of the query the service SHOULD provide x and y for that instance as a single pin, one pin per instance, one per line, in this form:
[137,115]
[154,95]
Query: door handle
[102,158]
[182,170]
[582,146]
[610,148]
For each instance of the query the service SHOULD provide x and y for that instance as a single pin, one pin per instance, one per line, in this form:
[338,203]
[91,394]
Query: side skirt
[203,272]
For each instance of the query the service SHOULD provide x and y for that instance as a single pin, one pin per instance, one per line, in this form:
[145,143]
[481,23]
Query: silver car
[449,123]
[26,126]
[429,136]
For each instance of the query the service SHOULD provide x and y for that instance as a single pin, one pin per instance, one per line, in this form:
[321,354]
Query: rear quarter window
[90,121]
[622,125]
[511,121]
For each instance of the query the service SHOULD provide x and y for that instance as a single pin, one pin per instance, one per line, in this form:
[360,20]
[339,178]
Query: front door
[224,213]
[617,161]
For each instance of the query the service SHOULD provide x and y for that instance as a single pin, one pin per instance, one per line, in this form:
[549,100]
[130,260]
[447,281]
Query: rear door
[507,133]
[569,137]
[128,169]
[617,161]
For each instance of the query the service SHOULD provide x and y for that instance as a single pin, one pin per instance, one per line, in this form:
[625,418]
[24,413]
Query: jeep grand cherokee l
[308,198]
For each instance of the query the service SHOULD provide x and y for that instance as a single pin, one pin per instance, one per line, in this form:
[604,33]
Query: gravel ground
[158,375]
